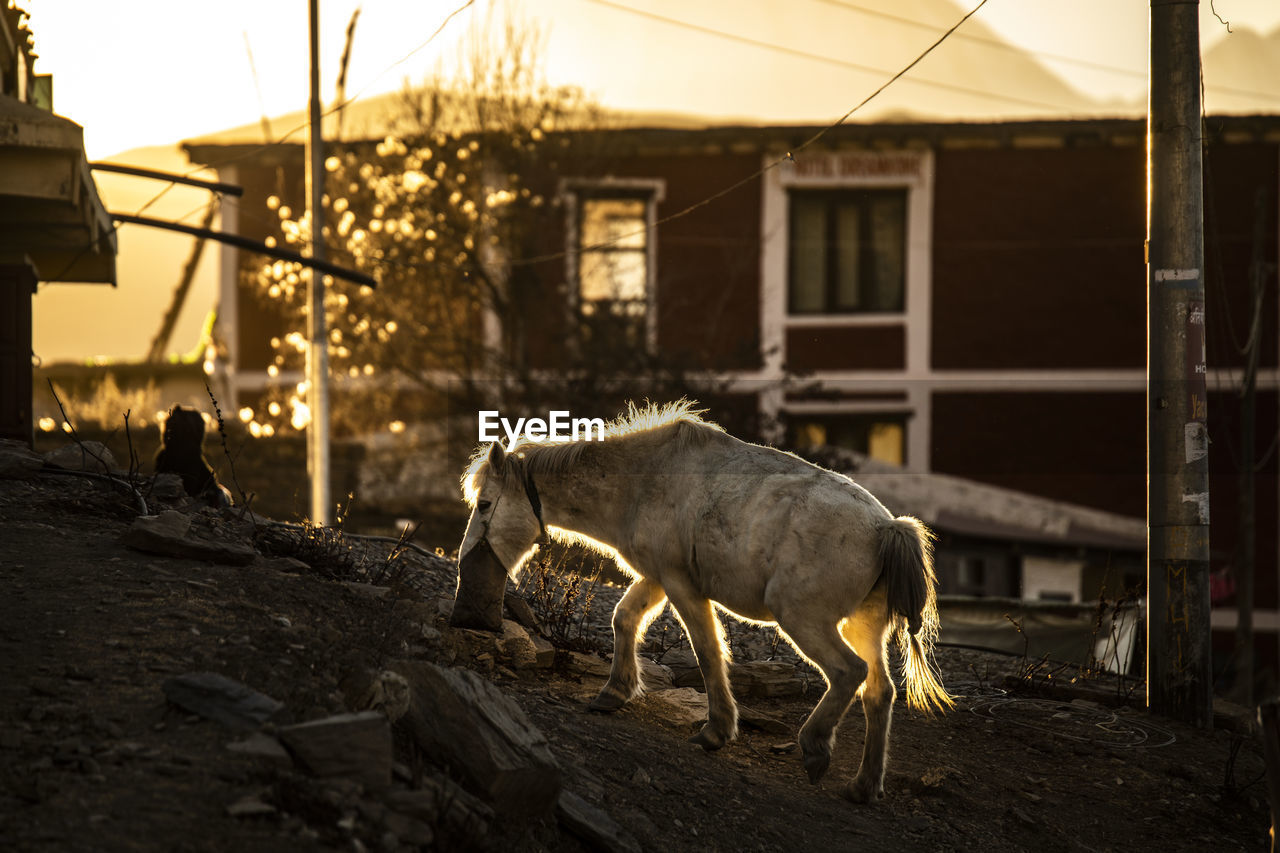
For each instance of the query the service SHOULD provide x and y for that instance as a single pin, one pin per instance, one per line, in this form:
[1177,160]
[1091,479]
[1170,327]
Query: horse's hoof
[707,739]
[607,702]
[816,764]
[861,793]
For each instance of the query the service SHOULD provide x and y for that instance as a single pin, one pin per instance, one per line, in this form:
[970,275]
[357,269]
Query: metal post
[1179,678]
[317,334]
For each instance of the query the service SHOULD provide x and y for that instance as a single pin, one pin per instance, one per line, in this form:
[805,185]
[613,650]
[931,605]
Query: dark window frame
[584,250]
[862,198]
[858,424]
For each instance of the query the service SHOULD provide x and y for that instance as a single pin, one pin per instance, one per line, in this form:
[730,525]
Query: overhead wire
[788,157]
[333,109]
[348,101]
[719,33]
[257,88]
[987,40]
[1001,44]
[95,241]
[829,60]
[721,194]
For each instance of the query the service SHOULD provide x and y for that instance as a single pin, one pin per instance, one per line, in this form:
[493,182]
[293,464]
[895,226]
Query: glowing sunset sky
[156,71]
[150,73]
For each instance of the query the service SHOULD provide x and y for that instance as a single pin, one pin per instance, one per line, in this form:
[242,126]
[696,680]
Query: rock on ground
[357,746]
[84,456]
[17,461]
[469,724]
[216,697]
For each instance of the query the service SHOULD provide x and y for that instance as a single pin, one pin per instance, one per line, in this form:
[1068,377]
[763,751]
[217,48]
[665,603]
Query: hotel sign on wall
[854,166]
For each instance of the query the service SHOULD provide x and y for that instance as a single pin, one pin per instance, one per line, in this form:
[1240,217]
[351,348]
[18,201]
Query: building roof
[50,211]
[377,116]
[969,508]
[675,134]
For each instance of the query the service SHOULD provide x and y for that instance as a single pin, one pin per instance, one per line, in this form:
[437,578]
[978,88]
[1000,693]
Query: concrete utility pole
[1179,677]
[317,333]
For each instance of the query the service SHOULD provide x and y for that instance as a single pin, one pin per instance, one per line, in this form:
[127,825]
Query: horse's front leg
[706,636]
[642,601]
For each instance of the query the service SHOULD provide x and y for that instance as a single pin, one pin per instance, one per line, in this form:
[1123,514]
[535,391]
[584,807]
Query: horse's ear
[497,458]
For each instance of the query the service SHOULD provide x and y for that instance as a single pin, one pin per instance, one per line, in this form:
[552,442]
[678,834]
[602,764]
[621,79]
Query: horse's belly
[736,592]
[753,614]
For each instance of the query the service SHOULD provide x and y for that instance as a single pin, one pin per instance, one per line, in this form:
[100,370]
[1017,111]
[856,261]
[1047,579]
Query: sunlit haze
[144,76]
[156,71]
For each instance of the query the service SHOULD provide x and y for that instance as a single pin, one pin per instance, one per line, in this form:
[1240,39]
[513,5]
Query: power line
[789,156]
[1002,44]
[335,108]
[259,149]
[814,57]
[987,40]
[402,60]
[553,256]
[257,87]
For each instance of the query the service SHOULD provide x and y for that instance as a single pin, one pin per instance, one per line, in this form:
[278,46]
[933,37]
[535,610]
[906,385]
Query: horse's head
[504,528]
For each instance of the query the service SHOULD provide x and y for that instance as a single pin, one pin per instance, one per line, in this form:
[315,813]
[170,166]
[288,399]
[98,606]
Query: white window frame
[853,169]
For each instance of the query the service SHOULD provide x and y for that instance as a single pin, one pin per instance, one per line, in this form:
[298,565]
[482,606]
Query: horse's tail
[906,560]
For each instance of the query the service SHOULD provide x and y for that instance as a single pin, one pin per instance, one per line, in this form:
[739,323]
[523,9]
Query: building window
[847,251]
[971,574]
[882,437]
[613,248]
[980,573]
[611,261]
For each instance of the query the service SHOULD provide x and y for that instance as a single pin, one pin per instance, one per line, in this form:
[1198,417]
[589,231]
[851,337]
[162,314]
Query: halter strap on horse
[535,501]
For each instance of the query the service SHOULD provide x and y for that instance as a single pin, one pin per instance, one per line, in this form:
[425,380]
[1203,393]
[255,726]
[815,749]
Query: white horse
[702,519]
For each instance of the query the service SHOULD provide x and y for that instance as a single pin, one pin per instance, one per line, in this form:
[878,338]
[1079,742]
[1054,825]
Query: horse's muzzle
[482,582]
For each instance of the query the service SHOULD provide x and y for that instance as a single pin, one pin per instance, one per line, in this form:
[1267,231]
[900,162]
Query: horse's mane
[679,422]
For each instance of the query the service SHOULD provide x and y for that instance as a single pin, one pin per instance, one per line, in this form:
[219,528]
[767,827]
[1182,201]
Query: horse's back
[757,477]
[764,517]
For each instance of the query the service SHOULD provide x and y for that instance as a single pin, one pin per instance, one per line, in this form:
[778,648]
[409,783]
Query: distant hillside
[1242,73]
[975,77]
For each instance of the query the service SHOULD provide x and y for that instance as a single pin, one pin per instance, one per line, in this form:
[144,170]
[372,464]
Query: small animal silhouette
[182,455]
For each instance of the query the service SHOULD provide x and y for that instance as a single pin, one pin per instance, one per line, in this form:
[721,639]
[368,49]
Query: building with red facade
[959,300]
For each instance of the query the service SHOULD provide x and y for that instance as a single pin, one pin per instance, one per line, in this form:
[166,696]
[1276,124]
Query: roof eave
[50,210]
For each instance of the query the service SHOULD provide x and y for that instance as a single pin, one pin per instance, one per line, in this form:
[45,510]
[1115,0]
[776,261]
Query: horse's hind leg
[866,630]
[634,612]
[705,635]
[822,644]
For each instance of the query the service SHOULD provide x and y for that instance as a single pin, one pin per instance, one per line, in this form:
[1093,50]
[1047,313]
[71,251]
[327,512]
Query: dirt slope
[92,757]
